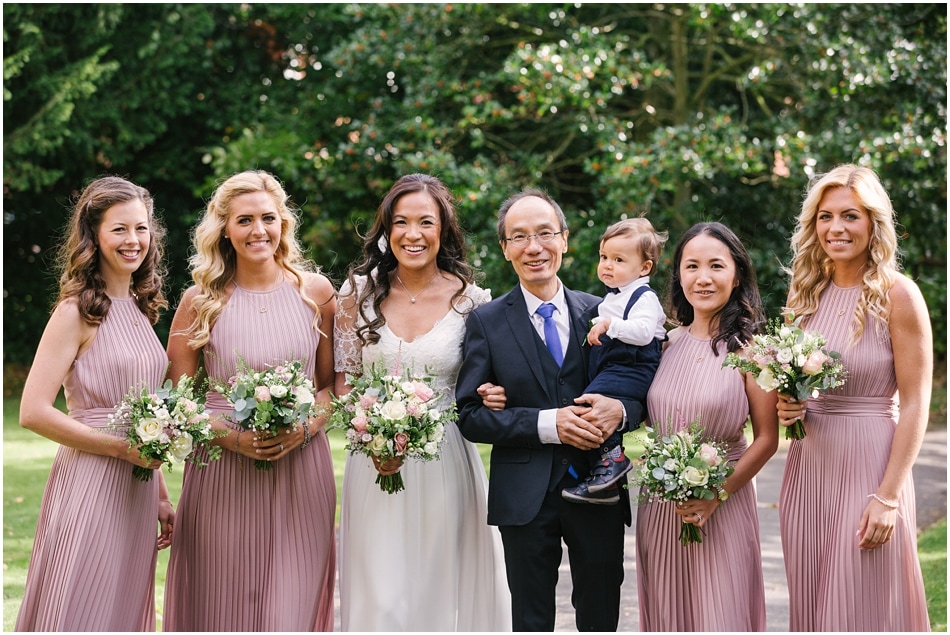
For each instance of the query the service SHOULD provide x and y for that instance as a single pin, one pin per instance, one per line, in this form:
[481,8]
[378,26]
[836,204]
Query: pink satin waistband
[853,406]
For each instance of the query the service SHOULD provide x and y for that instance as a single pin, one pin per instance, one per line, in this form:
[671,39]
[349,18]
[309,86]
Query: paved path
[930,480]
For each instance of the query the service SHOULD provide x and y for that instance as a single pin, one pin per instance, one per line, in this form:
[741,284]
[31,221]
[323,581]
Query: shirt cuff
[547,426]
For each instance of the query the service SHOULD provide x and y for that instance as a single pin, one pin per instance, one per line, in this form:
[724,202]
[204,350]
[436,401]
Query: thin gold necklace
[262,308]
[412,298]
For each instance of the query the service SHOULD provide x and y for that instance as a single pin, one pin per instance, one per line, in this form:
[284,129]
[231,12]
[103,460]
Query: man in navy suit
[541,435]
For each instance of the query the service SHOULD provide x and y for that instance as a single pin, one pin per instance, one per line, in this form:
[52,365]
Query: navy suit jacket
[502,347]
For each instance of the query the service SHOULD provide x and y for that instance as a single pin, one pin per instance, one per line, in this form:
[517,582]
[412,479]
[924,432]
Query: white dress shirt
[547,419]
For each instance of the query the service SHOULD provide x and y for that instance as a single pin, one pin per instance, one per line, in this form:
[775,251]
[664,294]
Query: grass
[26,463]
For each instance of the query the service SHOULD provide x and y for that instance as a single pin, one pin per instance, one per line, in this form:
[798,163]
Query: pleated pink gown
[716,585]
[255,550]
[94,553]
[832,584]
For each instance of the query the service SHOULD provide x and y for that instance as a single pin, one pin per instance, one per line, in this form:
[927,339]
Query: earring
[383,243]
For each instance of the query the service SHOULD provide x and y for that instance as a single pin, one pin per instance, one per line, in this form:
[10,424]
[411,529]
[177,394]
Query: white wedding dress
[423,559]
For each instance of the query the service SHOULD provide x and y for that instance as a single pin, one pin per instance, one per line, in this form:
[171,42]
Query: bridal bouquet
[679,466]
[270,400]
[391,416]
[792,361]
[167,424]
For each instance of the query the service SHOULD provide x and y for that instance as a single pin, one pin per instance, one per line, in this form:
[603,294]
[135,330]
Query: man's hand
[605,413]
[573,428]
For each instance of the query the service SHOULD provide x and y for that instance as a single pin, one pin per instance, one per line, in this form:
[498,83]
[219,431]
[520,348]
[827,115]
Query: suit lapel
[580,317]
[524,334]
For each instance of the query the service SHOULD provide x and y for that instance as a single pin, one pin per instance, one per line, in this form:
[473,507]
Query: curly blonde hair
[78,257]
[214,262]
[811,268]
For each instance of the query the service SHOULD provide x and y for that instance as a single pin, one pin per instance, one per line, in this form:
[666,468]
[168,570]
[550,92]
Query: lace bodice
[439,350]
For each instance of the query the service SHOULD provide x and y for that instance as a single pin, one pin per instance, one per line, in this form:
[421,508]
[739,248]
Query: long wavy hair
[77,259]
[811,270]
[214,260]
[378,260]
[743,315]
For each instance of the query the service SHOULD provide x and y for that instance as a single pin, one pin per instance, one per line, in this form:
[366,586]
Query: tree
[679,112]
[137,90]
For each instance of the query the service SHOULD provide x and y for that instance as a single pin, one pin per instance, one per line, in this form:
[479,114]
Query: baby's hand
[596,331]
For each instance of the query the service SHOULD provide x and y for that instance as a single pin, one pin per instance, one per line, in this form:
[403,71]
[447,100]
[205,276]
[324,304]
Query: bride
[423,559]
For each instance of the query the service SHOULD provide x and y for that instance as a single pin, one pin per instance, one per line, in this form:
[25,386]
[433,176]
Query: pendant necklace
[412,298]
[280,277]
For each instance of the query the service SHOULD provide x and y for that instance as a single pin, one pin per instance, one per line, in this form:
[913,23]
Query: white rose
[695,476]
[278,391]
[303,395]
[431,447]
[670,465]
[784,332]
[181,446]
[766,380]
[148,429]
[784,355]
[393,410]
[408,387]
[377,445]
[437,433]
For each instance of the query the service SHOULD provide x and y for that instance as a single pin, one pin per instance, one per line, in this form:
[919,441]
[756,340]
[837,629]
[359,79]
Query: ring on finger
[281,447]
[699,517]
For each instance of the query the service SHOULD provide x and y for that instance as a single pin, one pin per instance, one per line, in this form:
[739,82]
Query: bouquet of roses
[792,361]
[388,416]
[270,400]
[167,424]
[679,466]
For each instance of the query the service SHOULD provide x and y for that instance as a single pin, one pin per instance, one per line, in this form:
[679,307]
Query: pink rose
[359,423]
[262,393]
[401,441]
[367,401]
[423,392]
[709,454]
[814,363]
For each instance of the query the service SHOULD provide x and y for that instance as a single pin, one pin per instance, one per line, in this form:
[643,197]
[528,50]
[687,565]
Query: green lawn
[27,458]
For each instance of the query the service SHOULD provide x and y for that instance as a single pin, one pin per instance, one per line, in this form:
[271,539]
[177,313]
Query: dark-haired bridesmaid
[716,302]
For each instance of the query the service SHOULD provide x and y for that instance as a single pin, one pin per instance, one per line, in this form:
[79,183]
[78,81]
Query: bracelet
[883,501]
[237,448]
[306,435]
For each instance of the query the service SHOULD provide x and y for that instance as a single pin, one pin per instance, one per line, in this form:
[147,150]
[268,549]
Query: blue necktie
[551,338]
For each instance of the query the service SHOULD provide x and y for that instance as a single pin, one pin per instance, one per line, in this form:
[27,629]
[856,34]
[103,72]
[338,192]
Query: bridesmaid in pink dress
[716,585]
[847,514]
[94,553]
[254,550]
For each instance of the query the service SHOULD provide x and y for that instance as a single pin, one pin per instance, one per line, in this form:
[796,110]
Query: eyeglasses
[544,237]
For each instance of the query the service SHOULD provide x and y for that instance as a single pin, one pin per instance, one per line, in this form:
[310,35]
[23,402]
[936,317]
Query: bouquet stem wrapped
[388,416]
[792,361]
